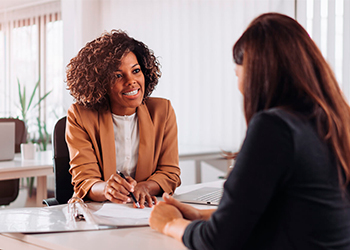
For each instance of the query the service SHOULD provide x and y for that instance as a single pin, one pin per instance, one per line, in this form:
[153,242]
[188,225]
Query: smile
[134,92]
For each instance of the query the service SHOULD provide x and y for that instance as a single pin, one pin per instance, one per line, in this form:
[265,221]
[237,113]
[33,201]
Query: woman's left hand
[167,219]
[143,192]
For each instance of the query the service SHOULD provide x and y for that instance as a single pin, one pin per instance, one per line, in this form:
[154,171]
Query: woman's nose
[130,79]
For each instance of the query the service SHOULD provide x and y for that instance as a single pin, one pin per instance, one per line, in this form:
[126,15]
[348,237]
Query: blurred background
[192,39]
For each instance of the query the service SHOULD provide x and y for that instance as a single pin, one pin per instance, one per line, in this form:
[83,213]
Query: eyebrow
[136,64]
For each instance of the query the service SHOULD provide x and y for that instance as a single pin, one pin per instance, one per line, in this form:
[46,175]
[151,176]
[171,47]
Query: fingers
[116,196]
[131,181]
[117,189]
[171,200]
[148,201]
[128,183]
[187,210]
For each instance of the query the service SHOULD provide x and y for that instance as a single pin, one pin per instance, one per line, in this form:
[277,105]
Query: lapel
[145,164]
[106,135]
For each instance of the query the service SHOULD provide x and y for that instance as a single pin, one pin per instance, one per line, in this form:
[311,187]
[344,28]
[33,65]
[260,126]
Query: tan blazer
[90,139]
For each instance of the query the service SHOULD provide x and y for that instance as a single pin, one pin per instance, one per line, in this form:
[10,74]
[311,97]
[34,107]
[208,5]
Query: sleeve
[261,168]
[83,160]
[167,174]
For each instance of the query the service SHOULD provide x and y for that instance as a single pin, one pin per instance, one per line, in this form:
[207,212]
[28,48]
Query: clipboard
[73,216]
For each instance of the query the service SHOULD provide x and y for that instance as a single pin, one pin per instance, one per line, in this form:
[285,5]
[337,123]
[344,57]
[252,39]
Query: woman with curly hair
[115,126]
[290,186]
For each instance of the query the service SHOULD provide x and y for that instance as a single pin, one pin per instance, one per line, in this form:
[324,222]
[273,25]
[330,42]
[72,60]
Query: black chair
[63,186]
[9,188]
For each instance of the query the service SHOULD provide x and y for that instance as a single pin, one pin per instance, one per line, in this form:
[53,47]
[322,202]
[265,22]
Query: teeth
[132,92]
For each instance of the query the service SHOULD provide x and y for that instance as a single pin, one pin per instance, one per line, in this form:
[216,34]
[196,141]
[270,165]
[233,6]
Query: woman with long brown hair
[289,188]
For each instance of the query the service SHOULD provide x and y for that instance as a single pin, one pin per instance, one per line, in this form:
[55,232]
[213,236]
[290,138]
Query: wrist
[176,228]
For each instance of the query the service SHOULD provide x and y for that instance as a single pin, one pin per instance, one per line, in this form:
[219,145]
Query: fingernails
[129,199]
[166,195]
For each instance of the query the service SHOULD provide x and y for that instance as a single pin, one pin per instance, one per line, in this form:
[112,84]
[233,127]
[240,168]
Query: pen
[131,194]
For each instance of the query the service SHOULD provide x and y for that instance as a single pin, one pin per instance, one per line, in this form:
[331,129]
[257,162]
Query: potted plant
[25,109]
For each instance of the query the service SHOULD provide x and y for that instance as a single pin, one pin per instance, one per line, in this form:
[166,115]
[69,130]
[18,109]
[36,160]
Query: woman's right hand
[187,211]
[117,188]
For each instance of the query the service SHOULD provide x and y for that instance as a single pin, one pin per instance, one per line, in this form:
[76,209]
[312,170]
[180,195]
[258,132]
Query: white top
[127,139]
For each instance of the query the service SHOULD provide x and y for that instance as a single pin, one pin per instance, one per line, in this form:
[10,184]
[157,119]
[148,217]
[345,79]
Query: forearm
[205,214]
[96,192]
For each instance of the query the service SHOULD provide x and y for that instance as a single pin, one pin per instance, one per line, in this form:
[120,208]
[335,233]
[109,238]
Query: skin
[239,74]
[126,94]
[171,217]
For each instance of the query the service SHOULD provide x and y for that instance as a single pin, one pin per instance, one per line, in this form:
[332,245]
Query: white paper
[119,214]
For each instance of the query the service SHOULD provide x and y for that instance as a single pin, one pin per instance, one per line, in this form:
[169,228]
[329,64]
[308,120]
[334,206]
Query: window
[327,22]
[31,50]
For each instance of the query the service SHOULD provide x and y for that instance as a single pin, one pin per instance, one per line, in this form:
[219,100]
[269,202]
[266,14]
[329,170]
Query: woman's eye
[136,71]
[118,75]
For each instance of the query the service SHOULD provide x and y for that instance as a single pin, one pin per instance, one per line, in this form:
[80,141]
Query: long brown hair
[283,67]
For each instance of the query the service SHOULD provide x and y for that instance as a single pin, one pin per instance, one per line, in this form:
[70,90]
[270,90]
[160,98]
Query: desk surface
[143,238]
[196,152]
[39,167]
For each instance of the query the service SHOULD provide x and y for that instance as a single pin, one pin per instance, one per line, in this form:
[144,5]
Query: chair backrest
[63,186]
[9,188]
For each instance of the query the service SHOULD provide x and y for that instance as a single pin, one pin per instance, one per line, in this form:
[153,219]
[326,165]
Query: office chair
[63,186]
[9,188]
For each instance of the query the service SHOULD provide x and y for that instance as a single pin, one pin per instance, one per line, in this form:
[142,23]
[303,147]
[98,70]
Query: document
[109,213]
[61,218]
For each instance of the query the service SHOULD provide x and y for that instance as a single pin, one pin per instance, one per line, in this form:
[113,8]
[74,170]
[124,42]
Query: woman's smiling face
[127,91]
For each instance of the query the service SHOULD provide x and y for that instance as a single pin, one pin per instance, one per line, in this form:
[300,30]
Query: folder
[74,216]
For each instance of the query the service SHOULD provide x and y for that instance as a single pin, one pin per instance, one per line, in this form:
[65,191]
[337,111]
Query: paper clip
[73,209]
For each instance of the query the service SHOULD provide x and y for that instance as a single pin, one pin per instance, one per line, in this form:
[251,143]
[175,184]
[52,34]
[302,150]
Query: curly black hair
[91,73]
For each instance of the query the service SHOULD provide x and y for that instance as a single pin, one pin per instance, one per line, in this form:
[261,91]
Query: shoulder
[83,115]
[277,118]
[158,109]
[154,102]
[156,105]
[271,123]
[77,109]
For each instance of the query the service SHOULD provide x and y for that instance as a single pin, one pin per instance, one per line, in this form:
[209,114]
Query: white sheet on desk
[108,213]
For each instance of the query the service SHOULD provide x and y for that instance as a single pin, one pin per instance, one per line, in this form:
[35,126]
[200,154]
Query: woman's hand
[117,189]
[167,219]
[187,211]
[143,193]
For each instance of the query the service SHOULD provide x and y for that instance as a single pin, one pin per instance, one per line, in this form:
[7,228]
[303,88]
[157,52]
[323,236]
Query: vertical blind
[193,40]
[328,23]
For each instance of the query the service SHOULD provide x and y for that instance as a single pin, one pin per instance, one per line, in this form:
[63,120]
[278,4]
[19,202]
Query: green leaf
[33,94]
[22,100]
[42,98]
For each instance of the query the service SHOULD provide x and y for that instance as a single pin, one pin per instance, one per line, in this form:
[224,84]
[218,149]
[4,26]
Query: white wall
[193,40]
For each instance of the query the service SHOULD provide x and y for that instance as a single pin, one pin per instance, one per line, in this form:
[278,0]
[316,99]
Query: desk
[201,153]
[39,167]
[143,238]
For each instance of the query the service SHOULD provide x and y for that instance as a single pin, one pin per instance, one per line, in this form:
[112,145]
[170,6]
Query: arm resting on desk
[171,217]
